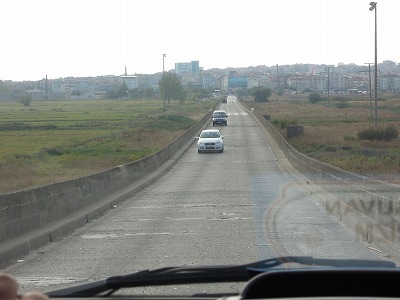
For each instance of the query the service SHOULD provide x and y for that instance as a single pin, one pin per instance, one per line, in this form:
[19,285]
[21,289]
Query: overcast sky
[61,38]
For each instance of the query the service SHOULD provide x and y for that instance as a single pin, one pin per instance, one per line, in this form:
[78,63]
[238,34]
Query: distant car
[220,117]
[210,140]
[225,100]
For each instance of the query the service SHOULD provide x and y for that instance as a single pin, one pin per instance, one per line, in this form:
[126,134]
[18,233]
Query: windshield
[210,134]
[102,104]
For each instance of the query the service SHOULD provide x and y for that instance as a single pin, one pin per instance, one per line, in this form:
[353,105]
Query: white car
[210,140]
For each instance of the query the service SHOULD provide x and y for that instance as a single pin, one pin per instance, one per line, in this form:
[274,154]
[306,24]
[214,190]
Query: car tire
[222,150]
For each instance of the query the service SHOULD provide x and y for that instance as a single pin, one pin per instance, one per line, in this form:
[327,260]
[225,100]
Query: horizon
[213,68]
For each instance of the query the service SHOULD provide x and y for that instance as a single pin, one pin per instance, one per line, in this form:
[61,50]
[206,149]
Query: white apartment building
[389,82]
[253,82]
[131,81]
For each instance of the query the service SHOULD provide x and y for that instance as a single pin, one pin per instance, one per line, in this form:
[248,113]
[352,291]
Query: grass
[330,133]
[52,141]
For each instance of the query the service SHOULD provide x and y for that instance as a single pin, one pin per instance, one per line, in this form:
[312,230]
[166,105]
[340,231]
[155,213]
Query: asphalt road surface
[209,209]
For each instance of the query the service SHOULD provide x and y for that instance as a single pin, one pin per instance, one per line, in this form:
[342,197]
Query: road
[209,209]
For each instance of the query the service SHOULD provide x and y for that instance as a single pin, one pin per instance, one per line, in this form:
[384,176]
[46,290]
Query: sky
[79,38]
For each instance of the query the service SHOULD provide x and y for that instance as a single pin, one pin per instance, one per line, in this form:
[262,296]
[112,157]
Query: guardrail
[31,218]
[369,207]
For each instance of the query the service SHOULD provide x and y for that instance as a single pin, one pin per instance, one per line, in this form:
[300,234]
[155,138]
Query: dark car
[220,117]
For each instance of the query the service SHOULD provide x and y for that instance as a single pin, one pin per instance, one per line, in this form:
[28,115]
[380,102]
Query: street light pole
[373,7]
[163,57]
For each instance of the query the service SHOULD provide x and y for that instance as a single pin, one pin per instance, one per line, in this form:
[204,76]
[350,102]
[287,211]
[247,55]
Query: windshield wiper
[206,274]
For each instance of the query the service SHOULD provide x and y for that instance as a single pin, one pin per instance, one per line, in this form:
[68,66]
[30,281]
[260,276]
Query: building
[390,83]
[356,82]
[233,81]
[149,80]
[131,81]
[210,81]
[267,81]
[253,81]
[187,68]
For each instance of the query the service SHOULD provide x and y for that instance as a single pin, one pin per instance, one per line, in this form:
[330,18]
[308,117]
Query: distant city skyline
[283,69]
[90,38]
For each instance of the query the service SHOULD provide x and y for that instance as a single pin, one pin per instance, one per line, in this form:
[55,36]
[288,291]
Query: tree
[135,93]
[194,92]
[148,92]
[261,94]
[171,87]
[5,90]
[243,92]
[122,90]
[25,100]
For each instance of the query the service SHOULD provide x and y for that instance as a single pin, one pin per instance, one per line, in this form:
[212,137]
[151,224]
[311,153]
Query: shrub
[25,100]
[369,134]
[347,148]
[330,149]
[339,98]
[342,104]
[378,134]
[51,151]
[314,97]
[390,133]
[261,94]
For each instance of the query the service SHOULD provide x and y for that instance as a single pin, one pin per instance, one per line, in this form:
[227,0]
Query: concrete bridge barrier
[371,208]
[33,217]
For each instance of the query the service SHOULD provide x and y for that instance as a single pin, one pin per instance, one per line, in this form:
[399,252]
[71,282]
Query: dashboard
[306,284]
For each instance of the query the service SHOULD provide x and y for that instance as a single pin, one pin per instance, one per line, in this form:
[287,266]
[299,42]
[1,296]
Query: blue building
[234,81]
[192,67]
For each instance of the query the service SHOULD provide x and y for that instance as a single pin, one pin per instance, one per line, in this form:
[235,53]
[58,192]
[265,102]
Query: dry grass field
[52,141]
[331,133]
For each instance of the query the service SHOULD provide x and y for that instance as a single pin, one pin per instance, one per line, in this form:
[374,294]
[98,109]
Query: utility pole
[327,69]
[277,80]
[163,73]
[46,89]
[370,87]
